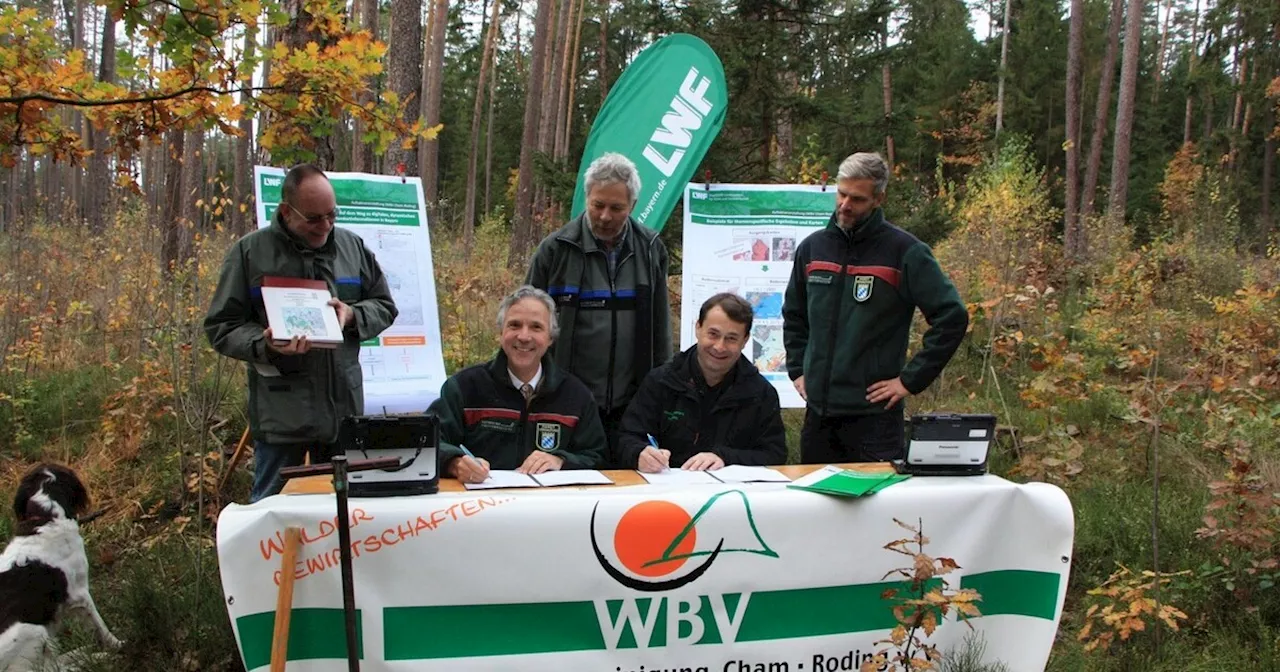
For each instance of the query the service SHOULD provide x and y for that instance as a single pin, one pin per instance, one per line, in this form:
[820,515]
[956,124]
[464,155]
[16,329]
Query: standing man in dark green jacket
[847,317]
[298,394]
[608,277]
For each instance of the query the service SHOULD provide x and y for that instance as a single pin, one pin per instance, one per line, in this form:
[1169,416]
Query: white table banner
[753,577]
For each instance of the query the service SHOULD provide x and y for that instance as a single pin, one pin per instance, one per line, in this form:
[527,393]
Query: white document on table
[679,477]
[738,473]
[504,479]
[551,479]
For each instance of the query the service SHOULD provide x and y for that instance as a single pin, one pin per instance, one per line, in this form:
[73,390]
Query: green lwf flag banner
[663,114]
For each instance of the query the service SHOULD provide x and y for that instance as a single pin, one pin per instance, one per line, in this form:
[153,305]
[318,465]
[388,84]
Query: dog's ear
[27,488]
[67,490]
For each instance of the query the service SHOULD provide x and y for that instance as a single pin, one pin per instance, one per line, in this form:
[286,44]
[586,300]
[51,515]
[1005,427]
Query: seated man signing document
[518,410]
[709,406]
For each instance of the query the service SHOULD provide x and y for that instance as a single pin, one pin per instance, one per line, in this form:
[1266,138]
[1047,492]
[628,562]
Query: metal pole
[344,543]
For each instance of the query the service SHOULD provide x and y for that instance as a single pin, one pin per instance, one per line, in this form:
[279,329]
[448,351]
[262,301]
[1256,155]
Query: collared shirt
[612,254]
[533,382]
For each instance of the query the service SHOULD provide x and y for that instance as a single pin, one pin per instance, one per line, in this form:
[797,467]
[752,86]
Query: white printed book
[298,307]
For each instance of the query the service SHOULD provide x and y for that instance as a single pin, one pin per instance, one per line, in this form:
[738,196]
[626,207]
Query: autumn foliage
[193,77]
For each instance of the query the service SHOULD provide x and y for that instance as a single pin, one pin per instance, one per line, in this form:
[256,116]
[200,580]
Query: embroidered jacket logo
[862,285]
[548,434]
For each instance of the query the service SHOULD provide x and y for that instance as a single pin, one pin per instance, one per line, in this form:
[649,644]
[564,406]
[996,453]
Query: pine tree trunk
[542,205]
[886,85]
[1102,112]
[604,51]
[1164,41]
[573,77]
[192,181]
[1240,66]
[99,211]
[74,10]
[1239,131]
[522,238]
[1074,233]
[405,78]
[558,149]
[149,181]
[1004,63]
[1191,70]
[519,50]
[431,110]
[486,57]
[428,70]
[554,63]
[11,198]
[1268,171]
[171,215]
[361,152]
[1119,195]
[243,213]
[488,140]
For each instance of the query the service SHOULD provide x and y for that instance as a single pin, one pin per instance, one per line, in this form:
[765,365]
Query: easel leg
[284,600]
[237,457]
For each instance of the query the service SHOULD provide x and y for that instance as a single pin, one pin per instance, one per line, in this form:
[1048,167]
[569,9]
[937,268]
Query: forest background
[1097,176]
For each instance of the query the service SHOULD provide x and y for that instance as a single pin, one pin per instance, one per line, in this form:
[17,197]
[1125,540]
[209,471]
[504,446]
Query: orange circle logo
[654,538]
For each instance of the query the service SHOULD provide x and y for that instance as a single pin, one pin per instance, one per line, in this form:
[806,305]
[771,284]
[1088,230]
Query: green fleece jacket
[480,409]
[313,392]
[848,309]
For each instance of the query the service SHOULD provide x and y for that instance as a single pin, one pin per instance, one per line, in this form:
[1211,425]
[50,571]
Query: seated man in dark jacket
[709,406]
[518,411]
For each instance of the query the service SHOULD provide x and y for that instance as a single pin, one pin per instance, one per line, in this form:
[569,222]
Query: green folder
[831,480]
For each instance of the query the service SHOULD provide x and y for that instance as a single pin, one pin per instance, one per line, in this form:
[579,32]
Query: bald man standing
[298,394]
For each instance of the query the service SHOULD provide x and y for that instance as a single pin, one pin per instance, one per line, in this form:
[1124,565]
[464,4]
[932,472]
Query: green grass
[1249,645]
[63,407]
[164,601]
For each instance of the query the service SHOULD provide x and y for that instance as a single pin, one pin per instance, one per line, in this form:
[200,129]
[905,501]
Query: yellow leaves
[929,623]
[921,606]
[924,567]
[249,10]
[1126,608]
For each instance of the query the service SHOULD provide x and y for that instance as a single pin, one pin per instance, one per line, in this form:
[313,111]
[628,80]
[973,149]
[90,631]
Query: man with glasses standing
[298,394]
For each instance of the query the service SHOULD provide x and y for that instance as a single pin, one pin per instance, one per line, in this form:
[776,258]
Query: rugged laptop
[948,445]
[412,438]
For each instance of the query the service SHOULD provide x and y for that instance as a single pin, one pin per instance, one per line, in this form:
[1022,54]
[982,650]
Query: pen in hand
[662,455]
[483,473]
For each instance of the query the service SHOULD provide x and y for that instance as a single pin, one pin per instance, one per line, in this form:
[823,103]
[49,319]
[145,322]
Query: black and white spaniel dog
[44,574]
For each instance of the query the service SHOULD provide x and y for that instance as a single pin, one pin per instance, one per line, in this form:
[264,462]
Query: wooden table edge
[323,485]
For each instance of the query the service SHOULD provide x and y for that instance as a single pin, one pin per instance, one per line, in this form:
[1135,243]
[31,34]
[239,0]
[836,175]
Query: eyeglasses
[315,219]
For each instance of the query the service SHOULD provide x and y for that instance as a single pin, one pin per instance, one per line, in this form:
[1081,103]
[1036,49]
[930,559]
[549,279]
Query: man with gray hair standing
[518,410]
[608,277]
[854,289]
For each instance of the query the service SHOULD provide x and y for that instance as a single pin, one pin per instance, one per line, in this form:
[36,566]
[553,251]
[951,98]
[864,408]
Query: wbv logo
[659,546]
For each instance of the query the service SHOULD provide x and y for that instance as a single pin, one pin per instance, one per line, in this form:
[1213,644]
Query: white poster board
[741,238]
[404,366]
